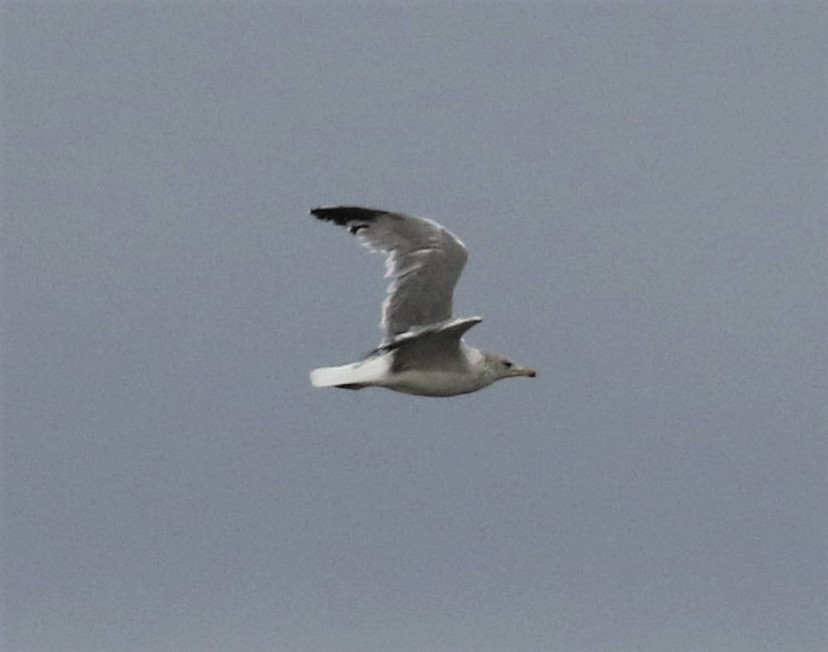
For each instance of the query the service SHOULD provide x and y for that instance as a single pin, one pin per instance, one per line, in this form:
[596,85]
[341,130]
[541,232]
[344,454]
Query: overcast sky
[642,189]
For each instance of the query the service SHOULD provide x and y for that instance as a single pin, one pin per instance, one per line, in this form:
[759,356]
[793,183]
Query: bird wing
[423,259]
[436,346]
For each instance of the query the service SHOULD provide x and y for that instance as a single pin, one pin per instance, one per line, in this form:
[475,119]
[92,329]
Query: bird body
[386,368]
[422,351]
[374,372]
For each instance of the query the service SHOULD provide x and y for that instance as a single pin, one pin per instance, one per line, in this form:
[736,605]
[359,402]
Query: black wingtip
[341,215]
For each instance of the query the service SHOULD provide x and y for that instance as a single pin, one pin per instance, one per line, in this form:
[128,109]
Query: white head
[498,367]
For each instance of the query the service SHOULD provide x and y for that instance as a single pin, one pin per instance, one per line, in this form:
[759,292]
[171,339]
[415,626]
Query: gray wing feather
[436,347]
[424,260]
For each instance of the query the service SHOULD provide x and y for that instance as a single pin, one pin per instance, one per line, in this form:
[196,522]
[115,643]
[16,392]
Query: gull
[422,351]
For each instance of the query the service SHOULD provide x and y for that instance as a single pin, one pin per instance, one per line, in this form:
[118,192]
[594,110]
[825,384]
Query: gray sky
[642,188]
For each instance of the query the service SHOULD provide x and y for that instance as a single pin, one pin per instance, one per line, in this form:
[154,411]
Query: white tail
[365,372]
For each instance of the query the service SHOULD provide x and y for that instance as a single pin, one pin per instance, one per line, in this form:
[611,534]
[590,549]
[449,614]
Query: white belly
[434,383]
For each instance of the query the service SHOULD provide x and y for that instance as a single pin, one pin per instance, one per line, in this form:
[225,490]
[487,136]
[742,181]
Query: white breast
[443,383]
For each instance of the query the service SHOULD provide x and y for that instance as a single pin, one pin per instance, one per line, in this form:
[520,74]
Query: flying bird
[422,351]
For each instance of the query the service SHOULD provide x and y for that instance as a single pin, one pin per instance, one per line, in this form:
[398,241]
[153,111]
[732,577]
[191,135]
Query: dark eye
[507,364]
